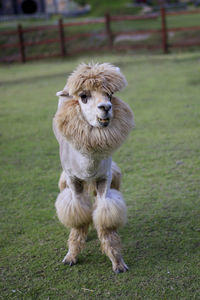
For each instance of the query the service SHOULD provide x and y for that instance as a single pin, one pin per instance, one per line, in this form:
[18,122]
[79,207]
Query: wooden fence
[63,40]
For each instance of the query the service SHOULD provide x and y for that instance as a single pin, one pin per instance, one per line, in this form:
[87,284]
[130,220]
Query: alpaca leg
[116,176]
[62,184]
[74,210]
[111,246]
[76,243]
[109,214]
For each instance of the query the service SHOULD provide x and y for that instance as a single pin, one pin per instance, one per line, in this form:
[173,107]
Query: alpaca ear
[63,97]
[62,94]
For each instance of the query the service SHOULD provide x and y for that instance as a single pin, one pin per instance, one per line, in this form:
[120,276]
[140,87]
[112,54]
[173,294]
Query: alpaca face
[96,107]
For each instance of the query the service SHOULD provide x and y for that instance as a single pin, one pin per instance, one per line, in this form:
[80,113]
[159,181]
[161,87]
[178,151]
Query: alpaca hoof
[69,261]
[120,268]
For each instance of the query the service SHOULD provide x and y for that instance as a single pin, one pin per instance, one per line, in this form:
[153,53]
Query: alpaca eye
[84,98]
[109,96]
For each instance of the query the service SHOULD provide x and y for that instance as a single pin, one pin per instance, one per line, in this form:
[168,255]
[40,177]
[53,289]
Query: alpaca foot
[69,260]
[120,267]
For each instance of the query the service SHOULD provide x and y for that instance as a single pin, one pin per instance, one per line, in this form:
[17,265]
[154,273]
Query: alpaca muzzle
[103,122]
[105,112]
[105,107]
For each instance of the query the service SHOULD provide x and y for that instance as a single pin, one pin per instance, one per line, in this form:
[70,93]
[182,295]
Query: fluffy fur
[86,138]
[110,212]
[85,152]
[71,212]
[104,77]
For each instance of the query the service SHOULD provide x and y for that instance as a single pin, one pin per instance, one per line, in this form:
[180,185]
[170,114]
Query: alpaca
[90,124]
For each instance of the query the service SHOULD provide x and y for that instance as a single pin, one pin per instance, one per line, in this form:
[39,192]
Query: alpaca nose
[105,106]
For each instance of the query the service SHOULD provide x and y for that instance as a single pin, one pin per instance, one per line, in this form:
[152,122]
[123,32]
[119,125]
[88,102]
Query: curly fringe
[104,77]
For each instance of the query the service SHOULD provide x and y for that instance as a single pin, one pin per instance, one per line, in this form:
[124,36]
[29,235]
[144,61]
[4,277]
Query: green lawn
[160,162]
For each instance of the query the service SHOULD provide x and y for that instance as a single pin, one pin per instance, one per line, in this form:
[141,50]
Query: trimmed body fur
[89,127]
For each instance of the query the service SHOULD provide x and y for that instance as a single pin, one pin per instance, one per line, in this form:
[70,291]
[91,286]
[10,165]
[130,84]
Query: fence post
[21,43]
[164,29]
[108,30]
[62,37]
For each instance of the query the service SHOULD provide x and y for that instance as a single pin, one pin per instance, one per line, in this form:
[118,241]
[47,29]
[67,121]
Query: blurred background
[34,29]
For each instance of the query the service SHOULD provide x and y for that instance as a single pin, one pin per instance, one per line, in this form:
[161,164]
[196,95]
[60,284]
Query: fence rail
[61,38]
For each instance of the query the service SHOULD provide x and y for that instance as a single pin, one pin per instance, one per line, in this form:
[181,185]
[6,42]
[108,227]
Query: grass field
[160,162]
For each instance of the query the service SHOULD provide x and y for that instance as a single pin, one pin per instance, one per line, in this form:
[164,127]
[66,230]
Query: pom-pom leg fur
[74,210]
[109,214]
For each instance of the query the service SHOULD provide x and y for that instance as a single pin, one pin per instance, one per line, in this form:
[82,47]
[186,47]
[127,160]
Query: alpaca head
[93,86]
[96,107]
